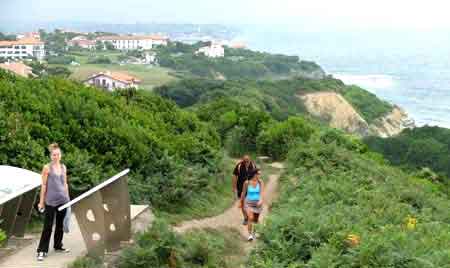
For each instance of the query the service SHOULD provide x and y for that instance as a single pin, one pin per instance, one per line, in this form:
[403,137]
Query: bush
[2,237]
[160,247]
[99,60]
[103,133]
[276,139]
[60,59]
[423,147]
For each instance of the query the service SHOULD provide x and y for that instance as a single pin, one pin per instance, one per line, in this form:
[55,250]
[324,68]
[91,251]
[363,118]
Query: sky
[291,13]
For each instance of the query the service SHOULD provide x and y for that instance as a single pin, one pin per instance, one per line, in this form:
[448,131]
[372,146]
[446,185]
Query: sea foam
[371,81]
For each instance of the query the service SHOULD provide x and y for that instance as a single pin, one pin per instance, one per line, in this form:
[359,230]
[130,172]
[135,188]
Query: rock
[334,109]
[391,124]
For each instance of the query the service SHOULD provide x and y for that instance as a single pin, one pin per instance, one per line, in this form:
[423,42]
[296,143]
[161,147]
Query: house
[112,80]
[18,68]
[238,45]
[215,50]
[82,42]
[22,48]
[133,42]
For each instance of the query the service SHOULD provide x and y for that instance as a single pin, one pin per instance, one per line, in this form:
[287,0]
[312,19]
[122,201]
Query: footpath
[232,217]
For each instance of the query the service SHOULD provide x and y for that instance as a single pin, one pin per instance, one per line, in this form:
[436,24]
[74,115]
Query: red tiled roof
[132,37]
[23,41]
[18,68]
[123,77]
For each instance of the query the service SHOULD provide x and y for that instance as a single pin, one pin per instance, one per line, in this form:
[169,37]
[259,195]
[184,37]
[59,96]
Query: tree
[109,46]
[59,71]
[7,37]
[99,45]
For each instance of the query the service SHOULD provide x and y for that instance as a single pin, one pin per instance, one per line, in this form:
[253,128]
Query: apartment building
[22,48]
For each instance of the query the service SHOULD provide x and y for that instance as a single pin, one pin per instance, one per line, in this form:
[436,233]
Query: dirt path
[232,217]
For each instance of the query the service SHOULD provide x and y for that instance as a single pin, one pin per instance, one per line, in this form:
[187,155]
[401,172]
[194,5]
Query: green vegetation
[160,247]
[60,59]
[99,60]
[7,37]
[418,149]
[278,98]
[237,63]
[170,152]
[276,139]
[367,104]
[346,209]
[87,262]
[2,237]
[212,200]
[151,77]
[237,125]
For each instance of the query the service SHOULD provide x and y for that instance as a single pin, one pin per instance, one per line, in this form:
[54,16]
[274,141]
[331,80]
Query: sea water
[407,68]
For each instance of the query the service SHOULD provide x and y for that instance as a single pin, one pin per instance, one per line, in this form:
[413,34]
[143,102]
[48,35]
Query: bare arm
[234,183]
[66,185]
[45,171]
[261,199]
[244,192]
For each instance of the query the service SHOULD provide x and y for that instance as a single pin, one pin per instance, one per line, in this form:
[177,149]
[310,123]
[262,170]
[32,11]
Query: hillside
[103,133]
[340,204]
[236,63]
[346,107]
[425,150]
[341,208]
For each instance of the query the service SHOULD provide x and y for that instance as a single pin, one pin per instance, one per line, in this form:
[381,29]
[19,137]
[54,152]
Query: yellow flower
[353,240]
[411,223]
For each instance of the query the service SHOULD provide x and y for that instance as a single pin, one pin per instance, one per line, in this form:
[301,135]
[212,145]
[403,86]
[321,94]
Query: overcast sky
[314,13]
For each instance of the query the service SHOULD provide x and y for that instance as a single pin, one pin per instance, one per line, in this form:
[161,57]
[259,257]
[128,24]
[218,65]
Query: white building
[112,80]
[82,42]
[22,48]
[133,42]
[215,50]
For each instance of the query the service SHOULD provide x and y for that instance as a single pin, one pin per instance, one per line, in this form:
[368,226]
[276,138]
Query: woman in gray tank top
[54,193]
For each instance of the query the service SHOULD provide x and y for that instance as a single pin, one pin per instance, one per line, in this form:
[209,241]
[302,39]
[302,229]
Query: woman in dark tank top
[54,193]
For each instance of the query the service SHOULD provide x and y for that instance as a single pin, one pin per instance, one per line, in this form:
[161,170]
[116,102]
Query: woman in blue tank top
[54,193]
[253,195]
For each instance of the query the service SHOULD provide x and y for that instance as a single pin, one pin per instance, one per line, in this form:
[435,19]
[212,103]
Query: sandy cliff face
[392,124]
[334,109]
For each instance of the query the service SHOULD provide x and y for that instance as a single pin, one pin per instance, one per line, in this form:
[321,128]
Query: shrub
[161,247]
[60,59]
[276,139]
[99,60]
[103,133]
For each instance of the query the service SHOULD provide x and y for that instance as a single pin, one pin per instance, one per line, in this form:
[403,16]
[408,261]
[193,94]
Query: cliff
[331,107]
[392,123]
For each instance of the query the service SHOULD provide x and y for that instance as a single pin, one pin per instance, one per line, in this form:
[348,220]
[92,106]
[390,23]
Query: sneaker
[250,238]
[62,250]
[40,256]
[245,222]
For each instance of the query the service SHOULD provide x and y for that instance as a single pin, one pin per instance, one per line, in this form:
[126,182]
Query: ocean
[407,68]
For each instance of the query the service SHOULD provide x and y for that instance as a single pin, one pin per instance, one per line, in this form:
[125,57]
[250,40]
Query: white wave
[371,81]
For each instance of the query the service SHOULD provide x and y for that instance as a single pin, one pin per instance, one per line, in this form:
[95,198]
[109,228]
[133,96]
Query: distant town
[64,52]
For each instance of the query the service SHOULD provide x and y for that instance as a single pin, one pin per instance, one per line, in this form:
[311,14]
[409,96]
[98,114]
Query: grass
[232,247]
[150,76]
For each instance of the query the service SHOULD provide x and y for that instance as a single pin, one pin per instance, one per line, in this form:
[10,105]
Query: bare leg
[250,221]
[244,213]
